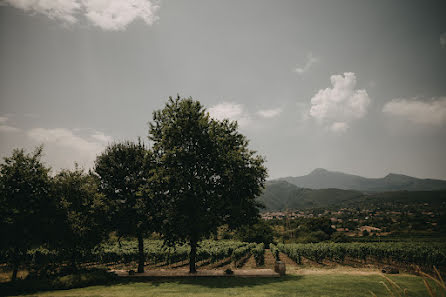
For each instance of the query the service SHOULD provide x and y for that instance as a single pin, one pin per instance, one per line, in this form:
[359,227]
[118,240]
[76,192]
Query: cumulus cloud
[101,137]
[106,14]
[443,40]
[269,113]
[311,60]
[231,111]
[117,14]
[432,112]
[63,10]
[342,103]
[73,147]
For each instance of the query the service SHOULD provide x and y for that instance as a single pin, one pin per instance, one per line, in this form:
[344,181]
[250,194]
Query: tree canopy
[205,174]
[81,213]
[25,204]
[124,171]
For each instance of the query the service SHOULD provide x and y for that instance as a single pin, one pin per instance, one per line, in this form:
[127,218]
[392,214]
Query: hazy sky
[354,86]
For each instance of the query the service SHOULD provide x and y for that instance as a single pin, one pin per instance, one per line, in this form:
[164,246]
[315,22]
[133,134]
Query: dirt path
[287,260]
[269,259]
[250,263]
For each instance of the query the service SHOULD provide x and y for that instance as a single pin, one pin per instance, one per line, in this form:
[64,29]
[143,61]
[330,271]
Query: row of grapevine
[157,253]
[258,252]
[241,252]
[424,254]
[154,250]
[275,251]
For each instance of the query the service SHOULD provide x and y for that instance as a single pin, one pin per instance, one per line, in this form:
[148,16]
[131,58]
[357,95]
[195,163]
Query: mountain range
[322,188]
[324,179]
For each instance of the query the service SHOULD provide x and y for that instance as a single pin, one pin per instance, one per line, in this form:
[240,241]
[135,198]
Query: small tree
[206,176]
[123,170]
[80,215]
[258,233]
[25,205]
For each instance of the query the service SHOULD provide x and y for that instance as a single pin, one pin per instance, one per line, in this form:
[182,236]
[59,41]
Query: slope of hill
[281,195]
[323,179]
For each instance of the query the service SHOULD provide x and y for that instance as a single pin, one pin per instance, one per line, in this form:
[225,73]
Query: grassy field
[317,284]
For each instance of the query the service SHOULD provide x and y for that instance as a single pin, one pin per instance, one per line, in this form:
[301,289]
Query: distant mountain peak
[318,171]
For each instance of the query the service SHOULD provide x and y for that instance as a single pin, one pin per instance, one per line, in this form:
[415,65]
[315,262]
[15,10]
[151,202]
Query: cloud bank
[341,104]
[432,112]
[105,14]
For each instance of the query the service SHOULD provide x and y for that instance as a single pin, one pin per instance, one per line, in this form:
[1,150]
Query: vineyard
[236,253]
[156,254]
[420,253]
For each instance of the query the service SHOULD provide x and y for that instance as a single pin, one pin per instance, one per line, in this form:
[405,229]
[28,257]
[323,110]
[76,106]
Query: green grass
[290,285]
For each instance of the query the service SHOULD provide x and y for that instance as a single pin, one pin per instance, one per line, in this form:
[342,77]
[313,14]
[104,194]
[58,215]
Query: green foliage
[275,251]
[124,171]
[259,254]
[339,237]
[241,252]
[261,232]
[26,208]
[156,252]
[80,213]
[206,176]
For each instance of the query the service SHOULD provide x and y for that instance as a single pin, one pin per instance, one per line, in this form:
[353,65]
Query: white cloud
[8,129]
[101,137]
[117,14]
[269,113]
[341,103]
[432,112]
[311,60]
[71,146]
[443,40]
[231,111]
[106,14]
[339,127]
[63,10]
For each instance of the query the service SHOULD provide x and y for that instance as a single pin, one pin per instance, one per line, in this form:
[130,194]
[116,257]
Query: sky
[351,86]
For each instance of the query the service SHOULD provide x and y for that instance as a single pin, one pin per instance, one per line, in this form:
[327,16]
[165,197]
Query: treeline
[197,175]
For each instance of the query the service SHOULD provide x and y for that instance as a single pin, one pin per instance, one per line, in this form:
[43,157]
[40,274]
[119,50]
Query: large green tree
[124,171]
[206,176]
[25,205]
[81,213]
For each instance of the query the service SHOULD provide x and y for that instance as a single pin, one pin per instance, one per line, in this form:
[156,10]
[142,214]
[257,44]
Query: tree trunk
[15,264]
[192,256]
[141,258]
[14,272]
[73,260]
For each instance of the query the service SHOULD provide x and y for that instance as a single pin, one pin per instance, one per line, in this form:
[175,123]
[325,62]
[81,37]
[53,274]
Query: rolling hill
[282,195]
